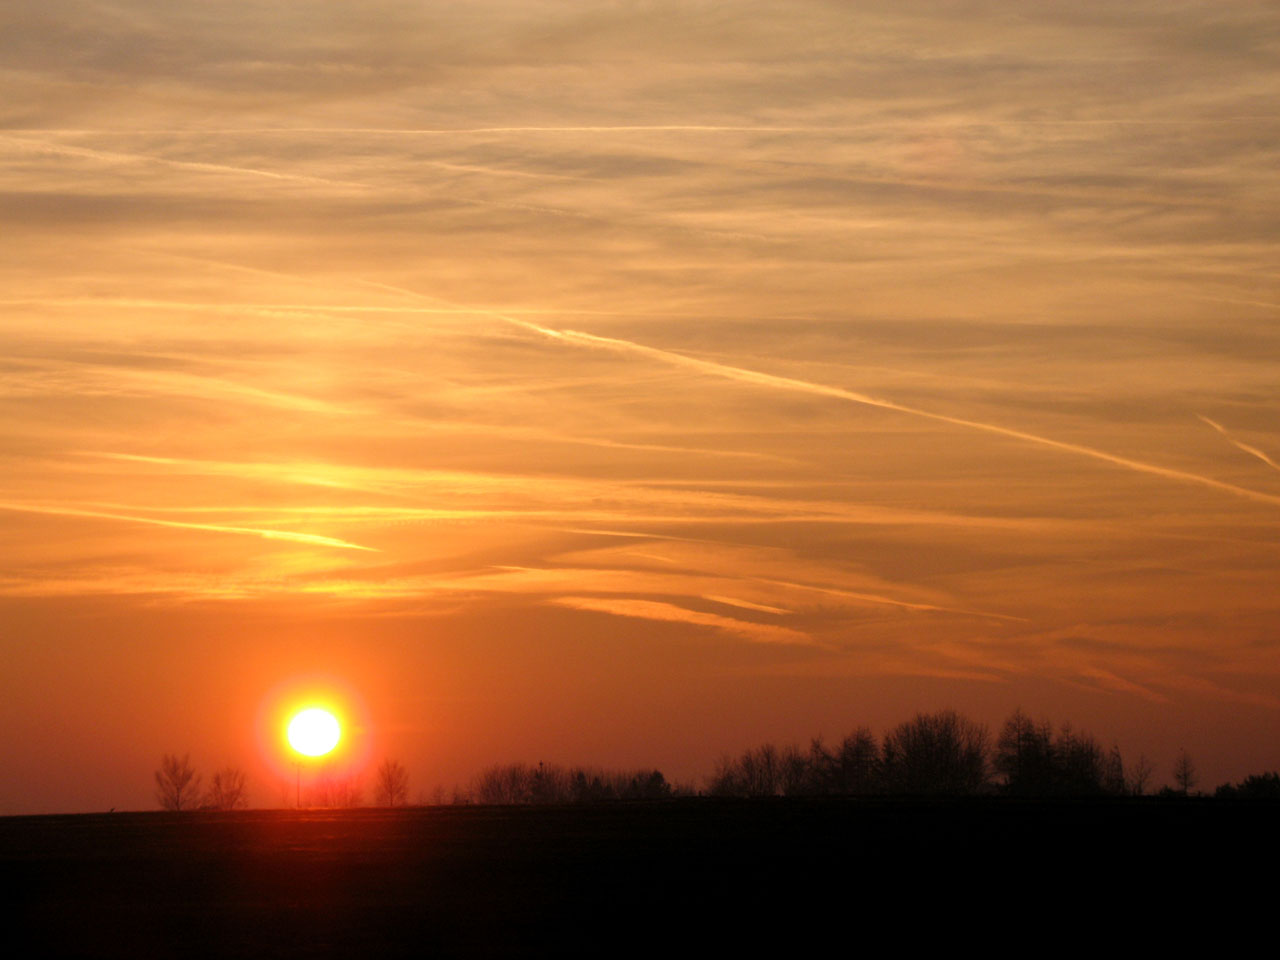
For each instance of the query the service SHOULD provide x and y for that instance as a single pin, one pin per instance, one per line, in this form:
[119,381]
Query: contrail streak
[59,149]
[742,375]
[308,538]
[836,128]
[1252,451]
[115,155]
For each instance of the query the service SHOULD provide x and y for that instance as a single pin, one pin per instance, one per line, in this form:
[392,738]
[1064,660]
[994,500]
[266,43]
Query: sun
[314,732]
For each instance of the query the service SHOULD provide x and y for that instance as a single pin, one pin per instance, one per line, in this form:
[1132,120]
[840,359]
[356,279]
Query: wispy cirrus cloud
[289,535]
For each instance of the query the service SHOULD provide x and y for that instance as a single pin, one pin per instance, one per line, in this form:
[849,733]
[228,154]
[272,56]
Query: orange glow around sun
[314,732]
[318,720]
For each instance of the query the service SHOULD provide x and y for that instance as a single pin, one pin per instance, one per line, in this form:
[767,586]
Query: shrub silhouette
[1258,786]
[518,783]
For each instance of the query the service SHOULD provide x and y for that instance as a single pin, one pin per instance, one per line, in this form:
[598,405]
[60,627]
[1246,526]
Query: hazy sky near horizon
[631,382]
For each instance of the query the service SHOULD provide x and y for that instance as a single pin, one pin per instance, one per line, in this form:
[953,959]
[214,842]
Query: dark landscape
[683,876]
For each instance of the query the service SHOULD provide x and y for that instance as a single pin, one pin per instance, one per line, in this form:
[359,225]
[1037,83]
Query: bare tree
[1139,775]
[391,786]
[177,784]
[504,784]
[757,773]
[337,790]
[796,772]
[1184,773]
[1113,778]
[227,790]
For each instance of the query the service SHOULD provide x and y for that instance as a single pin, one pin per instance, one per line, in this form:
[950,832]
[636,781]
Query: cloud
[746,604]
[559,497]
[657,610]
[876,599]
[310,539]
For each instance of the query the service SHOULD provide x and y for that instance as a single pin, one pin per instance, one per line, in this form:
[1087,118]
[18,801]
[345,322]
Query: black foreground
[677,878]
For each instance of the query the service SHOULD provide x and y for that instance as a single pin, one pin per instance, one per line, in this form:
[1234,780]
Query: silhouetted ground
[674,878]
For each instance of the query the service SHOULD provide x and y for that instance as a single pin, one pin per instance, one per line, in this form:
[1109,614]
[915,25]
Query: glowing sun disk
[314,732]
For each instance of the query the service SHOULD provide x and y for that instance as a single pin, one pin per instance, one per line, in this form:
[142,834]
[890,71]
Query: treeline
[550,783]
[942,754]
[180,787]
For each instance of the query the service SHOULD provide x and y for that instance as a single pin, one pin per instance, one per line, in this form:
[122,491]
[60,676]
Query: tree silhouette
[797,775]
[227,790]
[1079,763]
[936,753]
[1113,778]
[549,783]
[858,767]
[1184,773]
[1139,776]
[177,784]
[756,773]
[391,785]
[337,790]
[1035,763]
[1024,756]
[648,786]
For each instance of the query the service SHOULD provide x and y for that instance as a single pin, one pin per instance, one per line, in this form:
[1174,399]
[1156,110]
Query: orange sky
[631,383]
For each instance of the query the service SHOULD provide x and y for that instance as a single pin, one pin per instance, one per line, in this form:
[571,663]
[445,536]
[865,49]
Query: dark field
[670,878]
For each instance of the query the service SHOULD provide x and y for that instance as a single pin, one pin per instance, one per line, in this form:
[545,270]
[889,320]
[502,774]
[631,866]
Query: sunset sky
[629,383]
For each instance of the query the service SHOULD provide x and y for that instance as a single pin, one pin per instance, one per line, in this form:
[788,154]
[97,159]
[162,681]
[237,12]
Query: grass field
[687,877]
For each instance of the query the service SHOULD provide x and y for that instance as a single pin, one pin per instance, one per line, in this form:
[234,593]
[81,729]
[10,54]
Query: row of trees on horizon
[932,754]
[941,754]
[179,787]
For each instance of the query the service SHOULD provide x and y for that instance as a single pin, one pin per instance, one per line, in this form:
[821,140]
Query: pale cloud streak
[291,536]
[669,612]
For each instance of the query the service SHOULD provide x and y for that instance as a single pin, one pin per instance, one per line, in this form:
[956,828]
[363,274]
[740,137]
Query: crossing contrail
[1252,451]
